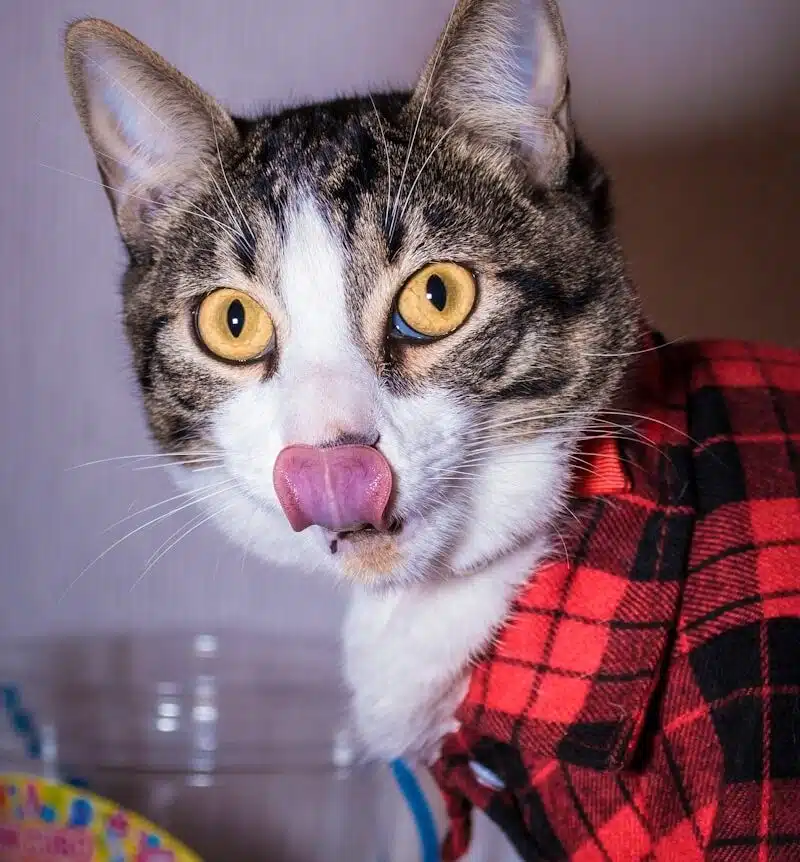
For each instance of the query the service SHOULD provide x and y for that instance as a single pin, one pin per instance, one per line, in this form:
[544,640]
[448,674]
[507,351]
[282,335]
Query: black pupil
[437,292]
[236,318]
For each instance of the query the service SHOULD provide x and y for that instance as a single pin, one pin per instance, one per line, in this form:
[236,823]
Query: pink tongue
[339,488]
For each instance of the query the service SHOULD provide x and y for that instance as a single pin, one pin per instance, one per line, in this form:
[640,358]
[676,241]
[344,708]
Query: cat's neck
[418,644]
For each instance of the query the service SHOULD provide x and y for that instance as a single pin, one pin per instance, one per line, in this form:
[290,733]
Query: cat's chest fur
[408,654]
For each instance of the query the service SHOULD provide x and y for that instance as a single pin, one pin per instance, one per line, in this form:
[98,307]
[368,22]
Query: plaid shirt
[643,700]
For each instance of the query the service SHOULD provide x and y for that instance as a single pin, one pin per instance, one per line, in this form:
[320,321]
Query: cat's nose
[335,487]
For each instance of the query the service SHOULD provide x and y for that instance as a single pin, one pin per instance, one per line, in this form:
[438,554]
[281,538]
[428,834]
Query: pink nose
[339,488]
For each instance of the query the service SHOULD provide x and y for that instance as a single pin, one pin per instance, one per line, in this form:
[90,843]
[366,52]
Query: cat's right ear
[155,134]
[499,73]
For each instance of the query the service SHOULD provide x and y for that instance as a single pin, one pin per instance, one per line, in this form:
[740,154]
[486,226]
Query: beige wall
[711,224]
[689,100]
[695,107]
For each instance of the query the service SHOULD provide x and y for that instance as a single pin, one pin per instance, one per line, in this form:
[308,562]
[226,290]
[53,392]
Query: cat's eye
[233,326]
[434,302]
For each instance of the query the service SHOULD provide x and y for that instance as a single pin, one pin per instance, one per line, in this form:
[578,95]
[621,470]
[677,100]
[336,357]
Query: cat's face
[397,311]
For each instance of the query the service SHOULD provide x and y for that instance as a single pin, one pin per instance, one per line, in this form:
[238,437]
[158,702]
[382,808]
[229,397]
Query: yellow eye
[233,326]
[434,302]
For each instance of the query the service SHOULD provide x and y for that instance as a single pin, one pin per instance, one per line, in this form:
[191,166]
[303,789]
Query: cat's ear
[154,132]
[499,71]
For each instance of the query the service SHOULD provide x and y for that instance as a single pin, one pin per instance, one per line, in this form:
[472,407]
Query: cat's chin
[370,557]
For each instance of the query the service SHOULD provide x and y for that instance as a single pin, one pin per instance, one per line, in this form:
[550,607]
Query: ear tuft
[499,72]
[153,131]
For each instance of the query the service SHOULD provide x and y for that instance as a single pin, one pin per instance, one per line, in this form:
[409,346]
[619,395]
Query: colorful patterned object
[44,821]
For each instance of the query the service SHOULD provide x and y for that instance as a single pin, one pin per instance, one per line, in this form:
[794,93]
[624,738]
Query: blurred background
[693,104]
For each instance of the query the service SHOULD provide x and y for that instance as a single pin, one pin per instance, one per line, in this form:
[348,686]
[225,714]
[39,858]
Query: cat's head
[396,311]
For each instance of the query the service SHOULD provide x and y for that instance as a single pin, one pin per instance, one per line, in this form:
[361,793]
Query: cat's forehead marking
[312,287]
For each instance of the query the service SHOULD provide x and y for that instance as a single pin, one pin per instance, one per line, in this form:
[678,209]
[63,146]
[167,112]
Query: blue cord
[420,810]
[24,726]
[22,722]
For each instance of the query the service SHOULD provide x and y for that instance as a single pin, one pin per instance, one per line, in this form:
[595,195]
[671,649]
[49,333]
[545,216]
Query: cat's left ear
[156,135]
[499,72]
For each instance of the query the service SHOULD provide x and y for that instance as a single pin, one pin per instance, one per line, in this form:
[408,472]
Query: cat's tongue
[338,488]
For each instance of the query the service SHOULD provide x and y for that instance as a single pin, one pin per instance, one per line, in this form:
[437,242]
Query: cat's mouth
[368,555]
[359,536]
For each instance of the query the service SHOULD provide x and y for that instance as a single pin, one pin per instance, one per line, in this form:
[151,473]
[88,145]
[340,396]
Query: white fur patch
[407,654]
[325,386]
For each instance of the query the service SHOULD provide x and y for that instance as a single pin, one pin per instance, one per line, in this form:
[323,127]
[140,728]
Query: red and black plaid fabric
[643,700]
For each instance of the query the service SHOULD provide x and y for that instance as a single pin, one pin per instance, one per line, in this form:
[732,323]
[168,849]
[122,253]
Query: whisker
[138,530]
[563,544]
[192,520]
[577,415]
[118,83]
[165,206]
[574,416]
[463,470]
[411,143]
[568,510]
[181,463]
[250,538]
[476,462]
[507,442]
[388,163]
[493,423]
[678,340]
[452,474]
[425,164]
[233,196]
[155,116]
[463,476]
[529,457]
[456,482]
[598,419]
[575,461]
[237,227]
[181,496]
[496,429]
[653,419]
[196,210]
[132,458]
[177,541]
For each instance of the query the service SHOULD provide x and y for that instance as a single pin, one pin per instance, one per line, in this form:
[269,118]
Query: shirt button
[485,776]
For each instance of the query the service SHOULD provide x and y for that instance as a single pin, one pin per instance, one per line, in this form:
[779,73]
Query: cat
[390,319]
